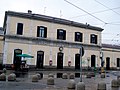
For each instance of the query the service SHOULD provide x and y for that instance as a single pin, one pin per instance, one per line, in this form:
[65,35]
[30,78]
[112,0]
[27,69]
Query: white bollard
[50,81]
[35,78]
[65,76]
[51,75]
[114,83]
[71,85]
[71,76]
[101,86]
[80,86]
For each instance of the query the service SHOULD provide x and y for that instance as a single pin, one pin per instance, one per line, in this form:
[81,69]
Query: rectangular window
[78,36]
[41,31]
[93,38]
[61,34]
[20,28]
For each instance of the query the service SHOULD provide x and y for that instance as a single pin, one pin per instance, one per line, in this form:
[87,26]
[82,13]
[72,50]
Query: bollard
[39,76]
[71,76]
[80,86]
[71,85]
[3,77]
[4,70]
[114,83]
[101,86]
[50,81]
[51,75]
[64,76]
[12,77]
[102,75]
[35,78]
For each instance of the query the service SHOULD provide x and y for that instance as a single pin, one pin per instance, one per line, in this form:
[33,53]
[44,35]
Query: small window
[20,28]
[42,32]
[61,34]
[93,38]
[78,36]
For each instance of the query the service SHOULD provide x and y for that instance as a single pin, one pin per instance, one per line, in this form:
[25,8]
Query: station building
[52,41]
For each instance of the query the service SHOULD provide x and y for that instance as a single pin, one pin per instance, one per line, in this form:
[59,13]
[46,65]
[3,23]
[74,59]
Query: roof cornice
[52,19]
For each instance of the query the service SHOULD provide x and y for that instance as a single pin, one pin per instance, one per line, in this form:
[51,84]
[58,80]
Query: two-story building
[50,40]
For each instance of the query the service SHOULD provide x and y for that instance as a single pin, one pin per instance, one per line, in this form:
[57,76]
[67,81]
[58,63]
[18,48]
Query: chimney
[29,11]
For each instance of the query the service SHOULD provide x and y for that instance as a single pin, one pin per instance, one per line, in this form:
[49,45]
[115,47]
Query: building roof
[110,46]
[30,15]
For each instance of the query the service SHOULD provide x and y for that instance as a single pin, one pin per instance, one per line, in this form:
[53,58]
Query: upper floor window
[78,36]
[19,28]
[41,31]
[93,38]
[61,34]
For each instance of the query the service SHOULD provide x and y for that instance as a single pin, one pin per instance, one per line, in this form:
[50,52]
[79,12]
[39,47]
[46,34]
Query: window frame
[42,31]
[93,38]
[19,29]
[61,36]
[78,38]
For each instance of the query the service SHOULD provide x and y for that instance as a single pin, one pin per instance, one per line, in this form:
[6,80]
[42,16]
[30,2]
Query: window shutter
[75,36]
[57,34]
[81,37]
[95,39]
[38,31]
[45,32]
[64,35]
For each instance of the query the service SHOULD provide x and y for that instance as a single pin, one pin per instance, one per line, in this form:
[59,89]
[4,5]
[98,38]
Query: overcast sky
[101,13]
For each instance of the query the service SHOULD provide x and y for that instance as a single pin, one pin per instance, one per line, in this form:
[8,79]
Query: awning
[24,56]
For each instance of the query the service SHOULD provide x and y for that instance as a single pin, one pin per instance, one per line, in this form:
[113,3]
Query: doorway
[93,60]
[108,63]
[40,59]
[60,60]
[17,60]
[77,61]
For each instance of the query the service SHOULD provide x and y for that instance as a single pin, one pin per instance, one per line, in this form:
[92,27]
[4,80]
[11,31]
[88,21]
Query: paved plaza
[24,82]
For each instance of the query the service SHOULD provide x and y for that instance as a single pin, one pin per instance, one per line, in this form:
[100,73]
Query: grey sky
[109,13]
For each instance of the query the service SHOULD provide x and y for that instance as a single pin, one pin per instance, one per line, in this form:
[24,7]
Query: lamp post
[102,62]
[81,54]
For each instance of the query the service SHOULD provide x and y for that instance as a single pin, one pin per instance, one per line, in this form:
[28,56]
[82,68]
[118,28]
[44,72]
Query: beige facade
[1,45]
[29,42]
[111,55]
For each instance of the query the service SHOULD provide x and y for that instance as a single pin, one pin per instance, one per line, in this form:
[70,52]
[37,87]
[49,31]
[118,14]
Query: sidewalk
[25,82]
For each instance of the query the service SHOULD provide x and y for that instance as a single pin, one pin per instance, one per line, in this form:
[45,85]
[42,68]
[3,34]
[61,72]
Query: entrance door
[107,63]
[93,60]
[17,60]
[118,62]
[40,59]
[77,61]
[60,60]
